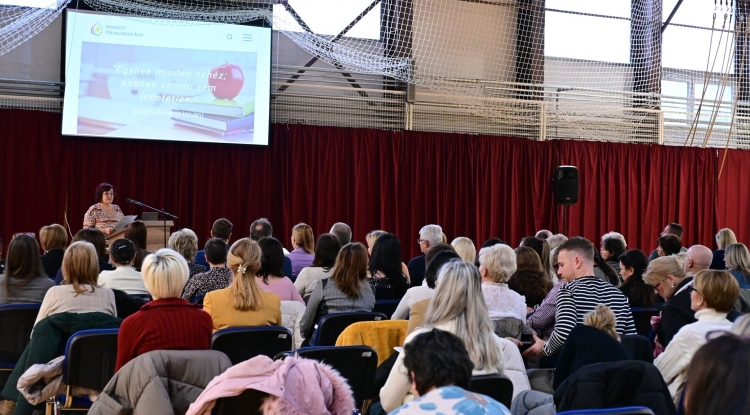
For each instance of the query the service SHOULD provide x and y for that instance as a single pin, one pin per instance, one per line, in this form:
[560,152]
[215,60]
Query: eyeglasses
[419,241]
[656,286]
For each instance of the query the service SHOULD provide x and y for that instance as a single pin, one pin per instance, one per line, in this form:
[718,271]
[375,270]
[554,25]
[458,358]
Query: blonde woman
[724,238]
[303,248]
[243,303]
[79,292]
[458,307]
[669,279]
[737,260]
[465,249]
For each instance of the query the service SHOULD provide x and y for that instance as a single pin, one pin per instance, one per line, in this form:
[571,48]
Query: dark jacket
[48,341]
[676,314]
[584,346]
[613,385]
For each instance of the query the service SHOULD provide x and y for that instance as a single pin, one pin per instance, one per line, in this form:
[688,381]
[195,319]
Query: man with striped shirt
[581,293]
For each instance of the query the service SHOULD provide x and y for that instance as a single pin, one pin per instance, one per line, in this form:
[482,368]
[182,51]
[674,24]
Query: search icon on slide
[229,36]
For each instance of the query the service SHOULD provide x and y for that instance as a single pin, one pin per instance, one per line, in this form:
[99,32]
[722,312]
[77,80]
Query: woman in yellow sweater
[243,303]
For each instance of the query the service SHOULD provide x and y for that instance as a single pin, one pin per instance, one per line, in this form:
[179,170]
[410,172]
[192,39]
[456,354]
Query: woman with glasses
[671,282]
[712,297]
[103,215]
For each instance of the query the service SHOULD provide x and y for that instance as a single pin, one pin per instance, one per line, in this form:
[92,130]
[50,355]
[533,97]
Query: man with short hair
[342,232]
[429,235]
[216,278]
[582,293]
[261,228]
[222,229]
[699,257]
[673,228]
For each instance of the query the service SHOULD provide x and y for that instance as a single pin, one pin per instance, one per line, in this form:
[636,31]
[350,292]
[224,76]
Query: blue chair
[243,343]
[331,325]
[90,357]
[629,410]
[17,322]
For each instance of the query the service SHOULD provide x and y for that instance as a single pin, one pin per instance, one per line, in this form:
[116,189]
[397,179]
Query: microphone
[135,202]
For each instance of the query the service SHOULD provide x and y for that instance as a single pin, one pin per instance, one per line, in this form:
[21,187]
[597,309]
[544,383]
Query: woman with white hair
[185,243]
[497,264]
[459,308]
[168,322]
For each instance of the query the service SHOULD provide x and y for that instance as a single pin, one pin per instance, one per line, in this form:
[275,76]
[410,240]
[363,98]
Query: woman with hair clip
[346,290]
[326,250]
[386,276]
[737,260]
[458,307]
[23,280]
[633,264]
[270,276]
[243,303]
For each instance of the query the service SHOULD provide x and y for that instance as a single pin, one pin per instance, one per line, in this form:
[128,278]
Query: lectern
[154,234]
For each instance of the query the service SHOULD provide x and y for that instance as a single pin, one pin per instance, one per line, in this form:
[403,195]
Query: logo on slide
[96,30]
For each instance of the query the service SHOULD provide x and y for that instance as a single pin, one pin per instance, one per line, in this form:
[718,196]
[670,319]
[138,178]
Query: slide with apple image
[167,93]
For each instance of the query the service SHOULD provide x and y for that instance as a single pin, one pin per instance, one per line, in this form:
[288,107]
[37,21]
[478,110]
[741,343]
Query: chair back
[17,322]
[355,363]
[330,326]
[246,403]
[243,343]
[630,410]
[496,386]
[90,358]
[382,336]
[387,307]
[642,319]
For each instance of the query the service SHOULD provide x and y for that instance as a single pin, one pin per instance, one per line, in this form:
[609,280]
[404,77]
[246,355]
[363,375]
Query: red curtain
[475,186]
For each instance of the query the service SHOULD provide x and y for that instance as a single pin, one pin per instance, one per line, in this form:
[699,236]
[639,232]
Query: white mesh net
[625,70]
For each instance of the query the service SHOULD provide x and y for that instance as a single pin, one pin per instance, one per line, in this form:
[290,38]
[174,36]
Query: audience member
[79,292]
[542,317]
[347,289]
[124,277]
[261,228]
[669,245]
[23,280]
[97,239]
[543,234]
[270,277]
[529,279]
[222,229]
[243,303]
[426,290]
[371,237]
[458,307]
[604,271]
[342,232]
[698,258]
[167,322]
[613,245]
[436,257]
[633,264]
[542,249]
[737,261]
[138,234]
[429,235]
[465,249]
[53,239]
[185,243]
[670,281]
[581,294]
[671,229]
[496,265]
[439,369]
[712,297]
[303,246]
[555,240]
[217,277]
[724,238]
[326,251]
[385,276]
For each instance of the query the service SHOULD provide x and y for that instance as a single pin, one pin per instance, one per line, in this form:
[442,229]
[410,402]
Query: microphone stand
[164,215]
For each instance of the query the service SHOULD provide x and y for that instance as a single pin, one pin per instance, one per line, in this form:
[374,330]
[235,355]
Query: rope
[736,95]
[706,78]
[725,65]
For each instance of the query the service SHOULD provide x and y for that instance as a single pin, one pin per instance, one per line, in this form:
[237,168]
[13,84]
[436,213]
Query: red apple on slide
[227,80]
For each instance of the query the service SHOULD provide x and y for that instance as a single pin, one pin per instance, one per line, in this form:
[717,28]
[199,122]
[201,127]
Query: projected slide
[165,80]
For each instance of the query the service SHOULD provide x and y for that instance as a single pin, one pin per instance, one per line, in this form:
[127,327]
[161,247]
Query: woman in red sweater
[167,322]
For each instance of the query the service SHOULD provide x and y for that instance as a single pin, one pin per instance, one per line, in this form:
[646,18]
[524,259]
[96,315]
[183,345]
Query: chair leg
[52,407]
[68,397]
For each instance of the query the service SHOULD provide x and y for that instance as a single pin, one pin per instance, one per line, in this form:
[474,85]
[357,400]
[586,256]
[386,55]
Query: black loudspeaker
[565,185]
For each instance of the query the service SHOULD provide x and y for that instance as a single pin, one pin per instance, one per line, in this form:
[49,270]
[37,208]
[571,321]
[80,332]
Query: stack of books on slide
[217,117]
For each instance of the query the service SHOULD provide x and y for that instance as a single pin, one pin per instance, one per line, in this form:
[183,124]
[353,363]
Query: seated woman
[53,239]
[496,265]
[138,233]
[373,236]
[243,303]
[185,242]
[326,250]
[124,277]
[167,322]
[541,318]
[79,292]
[385,274]
[669,279]
[425,291]
[724,238]
[633,264]
[99,242]
[465,249]
[103,215]
[458,307]
[303,246]
[346,290]
[712,297]
[737,261]
[612,247]
[529,279]
[541,247]
[270,277]
[668,245]
[23,280]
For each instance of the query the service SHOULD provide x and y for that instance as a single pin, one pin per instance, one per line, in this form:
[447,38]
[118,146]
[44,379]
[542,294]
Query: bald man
[699,257]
